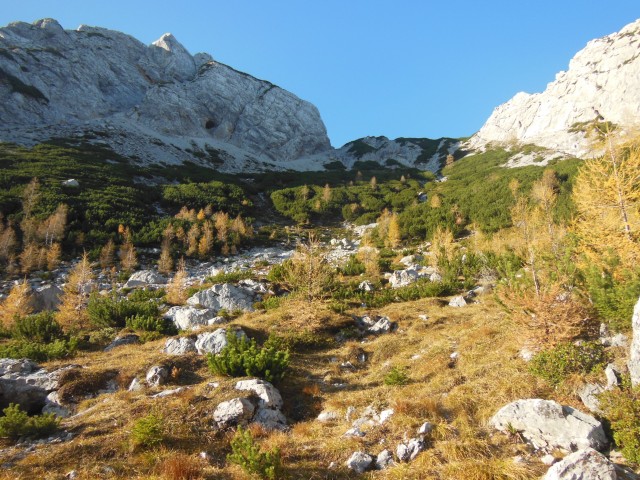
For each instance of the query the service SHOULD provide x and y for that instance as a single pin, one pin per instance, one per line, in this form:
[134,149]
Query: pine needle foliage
[242,357]
[245,452]
[16,424]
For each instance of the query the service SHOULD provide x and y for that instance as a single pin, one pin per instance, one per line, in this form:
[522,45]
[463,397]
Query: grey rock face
[128,339]
[237,411]
[634,357]
[190,317]
[359,462]
[601,81]
[227,296]
[24,383]
[547,425]
[410,450]
[93,78]
[384,460]
[179,346]
[214,342]
[46,297]
[402,278]
[144,278]
[586,464]
[268,395]
[157,376]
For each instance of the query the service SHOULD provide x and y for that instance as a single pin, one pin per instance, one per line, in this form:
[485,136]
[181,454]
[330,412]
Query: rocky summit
[601,85]
[150,101]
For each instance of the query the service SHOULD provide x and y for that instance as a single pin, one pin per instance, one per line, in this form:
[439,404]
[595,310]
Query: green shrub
[16,424]
[242,357]
[144,295]
[148,431]
[247,454]
[353,267]
[613,298]
[230,277]
[622,409]
[396,376]
[151,324]
[113,312]
[556,364]
[39,352]
[278,273]
[40,327]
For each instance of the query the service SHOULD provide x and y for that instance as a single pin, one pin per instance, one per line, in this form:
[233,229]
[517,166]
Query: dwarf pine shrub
[16,423]
[556,364]
[242,357]
[622,409]
[148,431]
[247,454]
[39,327]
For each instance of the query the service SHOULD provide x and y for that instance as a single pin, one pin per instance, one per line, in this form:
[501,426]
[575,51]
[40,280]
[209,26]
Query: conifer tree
[108,255]
[16,305]
[127,253]
[176,291]
[72,314]
[393,231]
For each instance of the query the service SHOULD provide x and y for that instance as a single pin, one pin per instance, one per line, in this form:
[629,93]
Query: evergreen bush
[556,364]
[16,424]
[245,452]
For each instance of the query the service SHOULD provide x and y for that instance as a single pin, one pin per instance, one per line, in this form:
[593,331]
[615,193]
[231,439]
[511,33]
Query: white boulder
[586,464]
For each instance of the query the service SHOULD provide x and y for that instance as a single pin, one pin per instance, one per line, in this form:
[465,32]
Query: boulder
[410,450]
[589,396]
[72,182]
[365,286]
[214,342]
[384,460]
[458,301]
[135,385]
[25,383]
[375,325]
[225,296]
[157,376]
[425,429]
[586,464]
[270,419]
[268,395]
[46,297]
[179,346]
[189,317]
[145,278]
[53,405]
[237,411]
[327,416]
[547,425]
[128,339]
[359,462]
[634,357]
[402,278]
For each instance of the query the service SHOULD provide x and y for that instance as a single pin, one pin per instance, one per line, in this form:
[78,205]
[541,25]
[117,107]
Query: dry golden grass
[457,397]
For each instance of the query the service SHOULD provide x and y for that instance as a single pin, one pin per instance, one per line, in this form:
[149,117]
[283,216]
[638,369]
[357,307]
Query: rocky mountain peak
[601,84]
[174,59]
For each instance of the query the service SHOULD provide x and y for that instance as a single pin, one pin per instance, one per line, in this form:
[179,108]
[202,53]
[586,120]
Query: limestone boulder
[586,464]
[190,317]
[225,296]
[144,278]
[179,346]
[237,411]
[547,425]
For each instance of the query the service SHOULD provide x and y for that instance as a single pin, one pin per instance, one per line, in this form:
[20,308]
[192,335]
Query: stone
[135,385]
[157,376]
[365,286]
[214,342]
[168,393]
[25,383]
[402,278]
[189,317]
[237,411]
[385,415]
[359,462]
[354,432]
[179,346]
[589,396]
[410,450]
[610,340]
[72,182]
[327,416]
[225,296]
[458,301]
[547,425]
[128,339]
[425,429]
[586,464]
[270,419]
[612,375]
[53,405]
[548,459]
[375,325]
[634,357]
[46,297]
[384,460]
[268,395]
[144,278]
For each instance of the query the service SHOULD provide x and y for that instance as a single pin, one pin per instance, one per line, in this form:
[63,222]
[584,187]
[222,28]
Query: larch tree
[16,305]
[127,253]
[176,291]
[72,314]
[607,197]
[393,231]
[309,273]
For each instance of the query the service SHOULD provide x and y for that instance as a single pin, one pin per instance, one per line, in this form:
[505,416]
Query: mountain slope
[601,84]
[153,101]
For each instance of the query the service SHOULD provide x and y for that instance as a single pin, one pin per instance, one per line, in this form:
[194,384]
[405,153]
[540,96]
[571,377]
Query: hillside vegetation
[428,316]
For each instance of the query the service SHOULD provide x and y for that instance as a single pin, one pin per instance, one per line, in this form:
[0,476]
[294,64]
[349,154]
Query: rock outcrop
[601,84]
[547,425]
[586,464]
[150,101]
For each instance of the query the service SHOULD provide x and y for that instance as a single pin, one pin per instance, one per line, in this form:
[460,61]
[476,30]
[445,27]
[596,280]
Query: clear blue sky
[395,68]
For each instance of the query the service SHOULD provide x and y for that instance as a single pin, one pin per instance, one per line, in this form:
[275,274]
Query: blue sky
[395,68]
